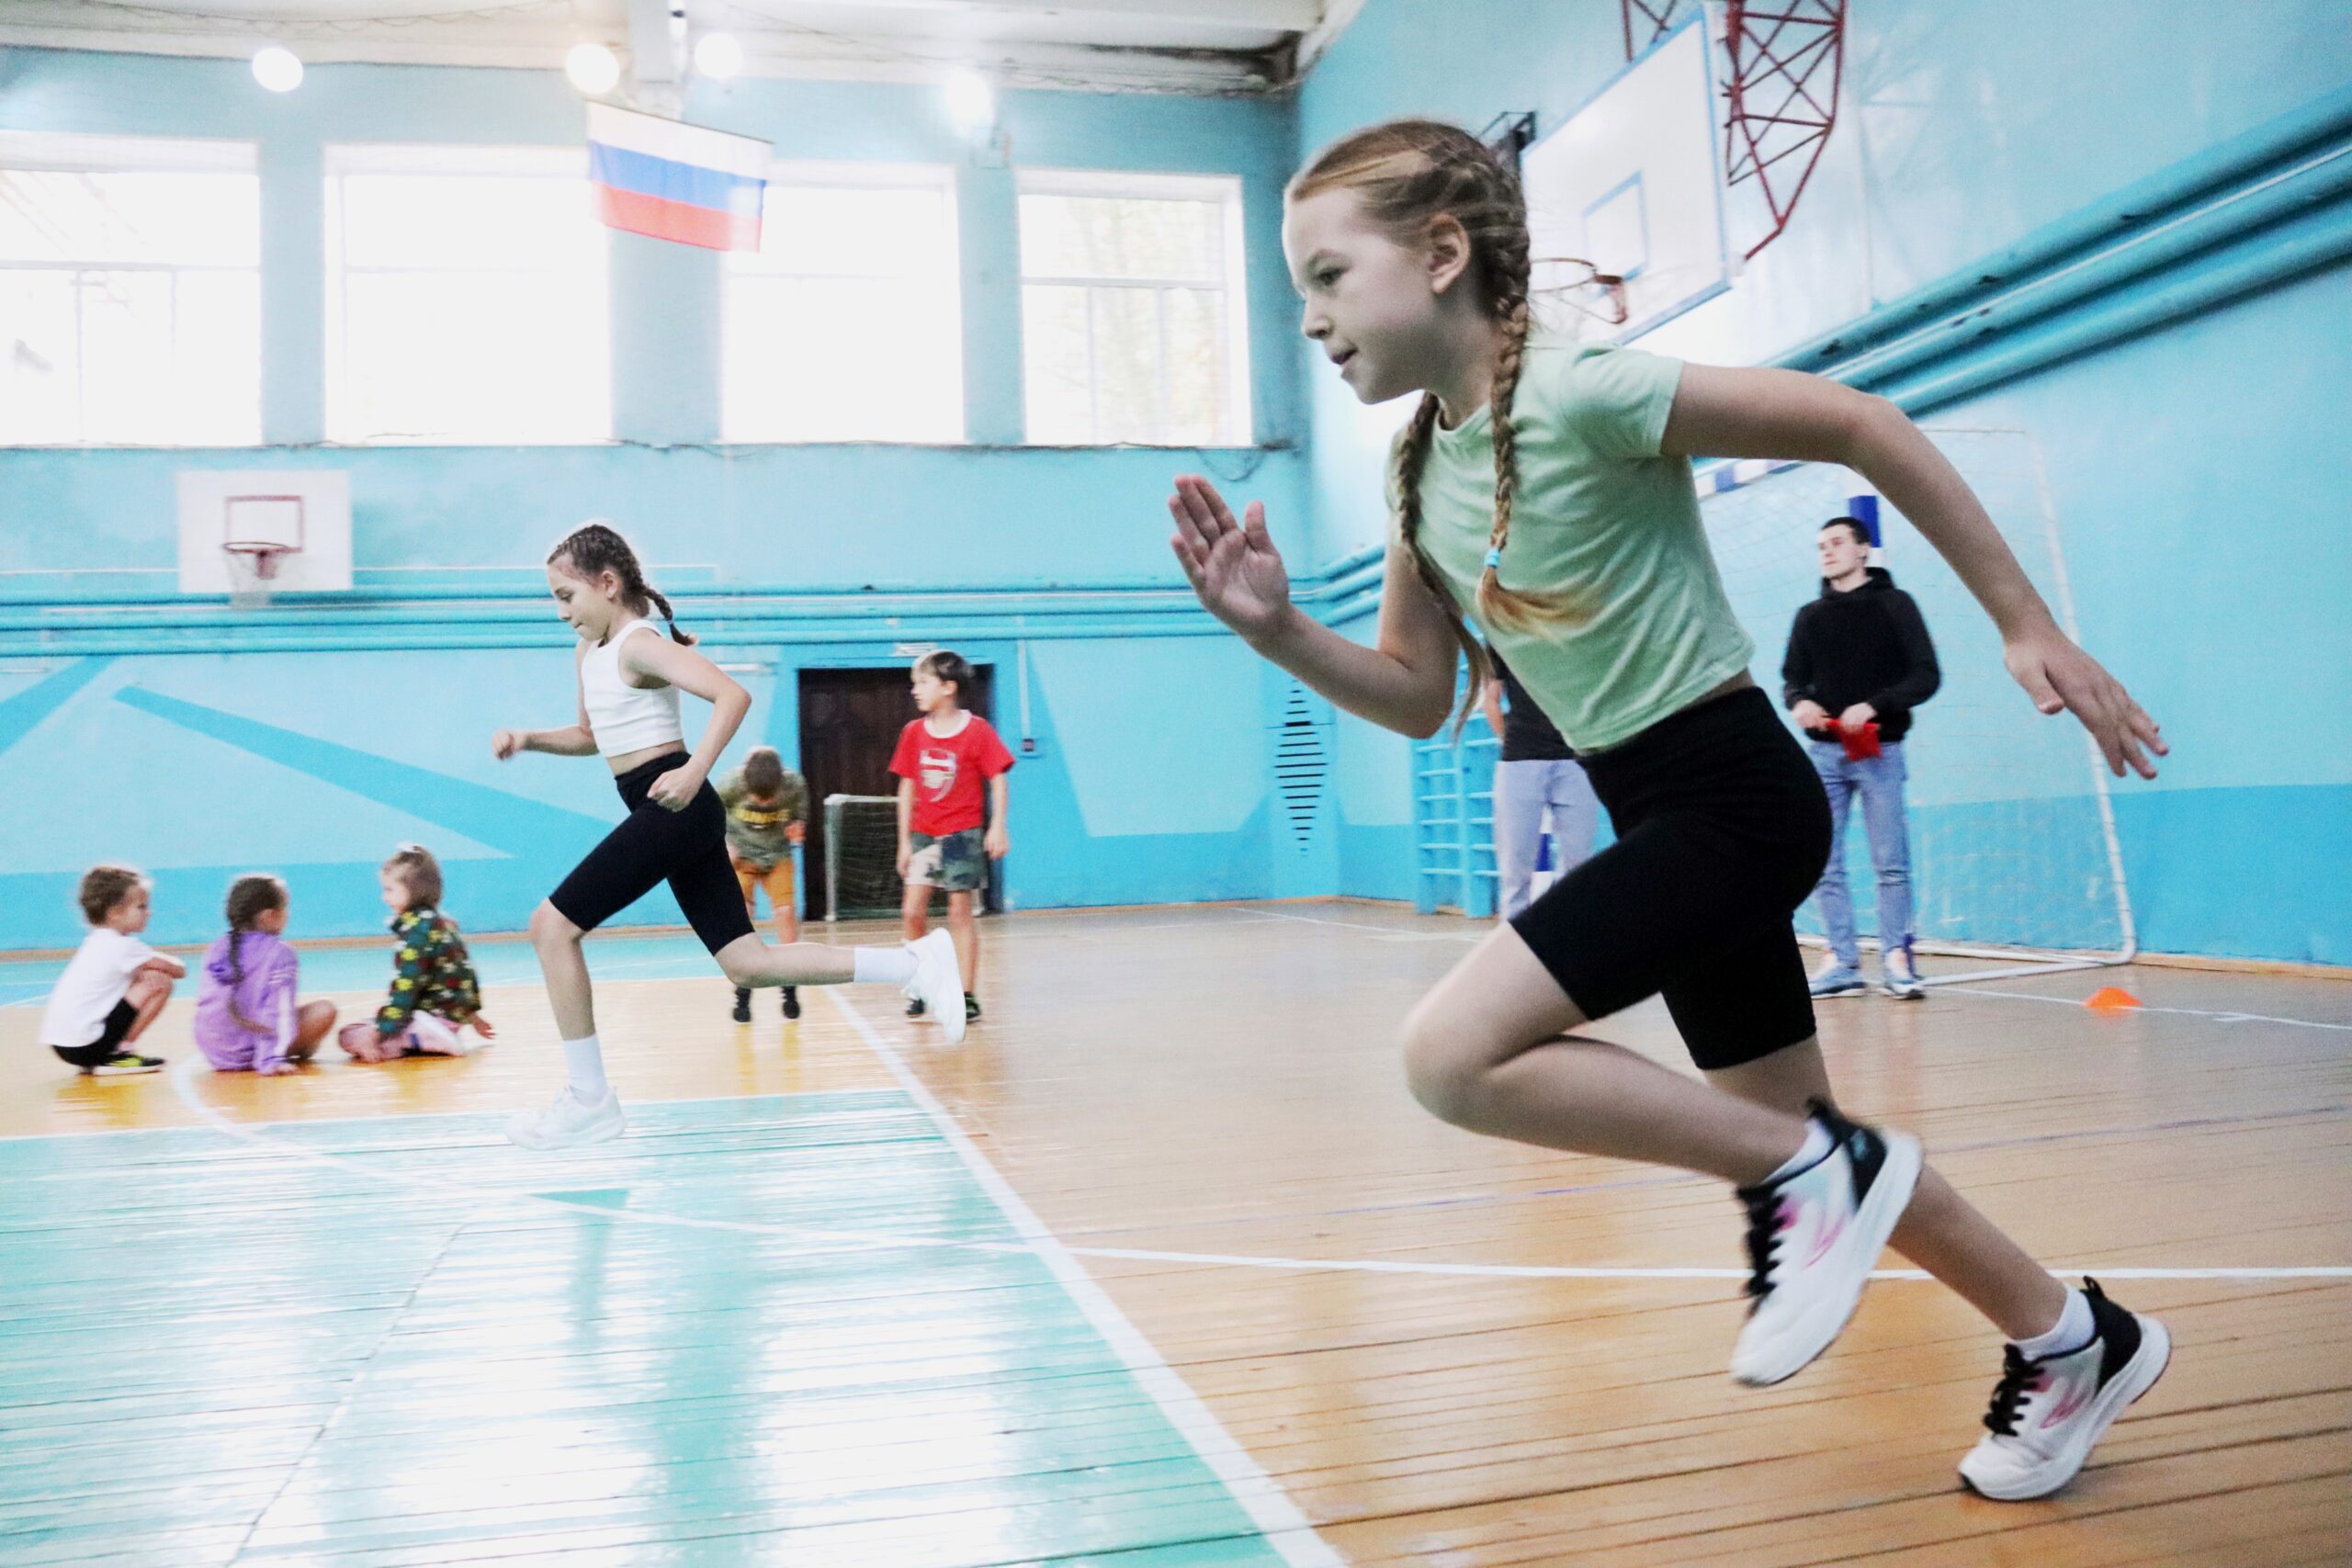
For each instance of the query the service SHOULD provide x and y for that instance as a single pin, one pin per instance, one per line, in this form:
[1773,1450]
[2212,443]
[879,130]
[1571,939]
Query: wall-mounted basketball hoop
[261,533]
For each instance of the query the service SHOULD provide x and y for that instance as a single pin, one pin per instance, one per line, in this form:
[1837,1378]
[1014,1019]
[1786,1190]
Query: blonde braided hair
[1407,173]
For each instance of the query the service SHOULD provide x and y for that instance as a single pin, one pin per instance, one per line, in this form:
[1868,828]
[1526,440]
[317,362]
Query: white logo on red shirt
[938,768]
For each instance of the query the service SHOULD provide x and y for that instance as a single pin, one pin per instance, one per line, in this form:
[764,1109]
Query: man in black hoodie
[1859,655]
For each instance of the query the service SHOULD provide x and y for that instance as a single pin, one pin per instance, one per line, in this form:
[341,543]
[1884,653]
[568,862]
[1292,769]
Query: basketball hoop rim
[264,554]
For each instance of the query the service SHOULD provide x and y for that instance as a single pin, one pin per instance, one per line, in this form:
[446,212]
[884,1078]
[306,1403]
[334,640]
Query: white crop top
[626,718]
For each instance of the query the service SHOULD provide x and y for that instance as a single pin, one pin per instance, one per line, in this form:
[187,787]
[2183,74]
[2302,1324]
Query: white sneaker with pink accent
[1812,1238]
[2047,1415]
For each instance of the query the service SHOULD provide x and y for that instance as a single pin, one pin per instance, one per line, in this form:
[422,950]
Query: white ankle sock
[1816,1149]
[2069,1334]
[882,965]
[584,1059]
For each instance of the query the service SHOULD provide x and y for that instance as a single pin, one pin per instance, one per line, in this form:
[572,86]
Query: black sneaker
[124,1064]
[2047,1415]
[914,1008]
[743,1013]
[971,1008]
[1812,1238]
[792,1001]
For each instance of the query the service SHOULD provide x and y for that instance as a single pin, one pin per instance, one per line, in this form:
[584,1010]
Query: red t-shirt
[947,772]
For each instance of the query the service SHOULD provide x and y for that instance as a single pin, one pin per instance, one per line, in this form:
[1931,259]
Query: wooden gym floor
[1162,1267]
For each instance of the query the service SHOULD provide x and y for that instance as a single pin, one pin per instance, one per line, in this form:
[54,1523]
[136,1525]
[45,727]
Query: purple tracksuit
[265,998]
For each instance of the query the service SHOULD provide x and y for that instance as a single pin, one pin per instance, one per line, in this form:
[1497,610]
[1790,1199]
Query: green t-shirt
[757,831]
[1602,516]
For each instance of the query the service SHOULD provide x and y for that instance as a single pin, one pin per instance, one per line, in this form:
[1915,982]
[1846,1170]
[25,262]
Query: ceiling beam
[1265,16]
[1057,64]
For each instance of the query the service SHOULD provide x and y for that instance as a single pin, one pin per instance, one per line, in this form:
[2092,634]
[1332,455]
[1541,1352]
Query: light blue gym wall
[317,762]
[2200,471]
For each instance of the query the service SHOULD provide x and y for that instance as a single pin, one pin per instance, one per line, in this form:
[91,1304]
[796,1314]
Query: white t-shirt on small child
[99,977]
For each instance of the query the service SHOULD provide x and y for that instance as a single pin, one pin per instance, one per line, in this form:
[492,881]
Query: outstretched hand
[2060,676]
[1232,566]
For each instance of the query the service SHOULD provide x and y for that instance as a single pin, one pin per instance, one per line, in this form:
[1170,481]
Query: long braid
[250,897]
[1412,452]
[1515,608]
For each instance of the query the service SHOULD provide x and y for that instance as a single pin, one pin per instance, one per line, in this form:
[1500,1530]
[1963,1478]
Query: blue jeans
[1879,780]
[1522,790]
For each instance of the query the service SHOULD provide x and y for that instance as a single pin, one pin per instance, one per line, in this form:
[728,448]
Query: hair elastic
[1494,559]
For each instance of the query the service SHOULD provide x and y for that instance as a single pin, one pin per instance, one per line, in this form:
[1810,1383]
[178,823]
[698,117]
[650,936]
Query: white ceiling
[1220,45]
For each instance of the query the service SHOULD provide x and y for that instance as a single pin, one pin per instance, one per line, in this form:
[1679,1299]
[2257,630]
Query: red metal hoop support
[1778,106]
[1781,50]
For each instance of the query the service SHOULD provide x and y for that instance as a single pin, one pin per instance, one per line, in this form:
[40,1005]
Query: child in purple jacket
[246,1014]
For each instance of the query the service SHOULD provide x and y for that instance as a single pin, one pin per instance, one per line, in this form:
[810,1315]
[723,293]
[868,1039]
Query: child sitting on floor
[115,984]
[434,990]
[246,1014]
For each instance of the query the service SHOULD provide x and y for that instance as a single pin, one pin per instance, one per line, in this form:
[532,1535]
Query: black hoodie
[1863,645]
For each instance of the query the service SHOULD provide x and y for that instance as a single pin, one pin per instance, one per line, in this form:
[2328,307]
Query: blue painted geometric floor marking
[211,1353]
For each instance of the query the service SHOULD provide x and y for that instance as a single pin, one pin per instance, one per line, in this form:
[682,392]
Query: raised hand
[1232,566]
[2060,676]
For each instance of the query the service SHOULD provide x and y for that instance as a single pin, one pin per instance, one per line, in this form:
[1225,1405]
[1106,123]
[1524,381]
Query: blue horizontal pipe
[207,615]
[2228,218]
[2235,161]
[2259,261]
[1311,581]
[95,645]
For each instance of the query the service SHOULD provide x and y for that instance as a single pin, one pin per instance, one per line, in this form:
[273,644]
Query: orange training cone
[2110,998]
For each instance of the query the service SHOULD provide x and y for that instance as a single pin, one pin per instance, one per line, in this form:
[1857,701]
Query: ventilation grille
[1301,761]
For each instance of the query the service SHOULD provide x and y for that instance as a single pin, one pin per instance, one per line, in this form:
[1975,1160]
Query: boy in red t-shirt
[941,759]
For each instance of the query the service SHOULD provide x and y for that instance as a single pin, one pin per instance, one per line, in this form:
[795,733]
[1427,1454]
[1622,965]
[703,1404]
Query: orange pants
[776,879]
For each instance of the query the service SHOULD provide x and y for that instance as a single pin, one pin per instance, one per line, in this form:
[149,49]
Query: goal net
[2014,856]
[861,856]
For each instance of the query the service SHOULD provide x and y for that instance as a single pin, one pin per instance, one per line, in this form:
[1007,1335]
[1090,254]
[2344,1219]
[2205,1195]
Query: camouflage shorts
[956,863]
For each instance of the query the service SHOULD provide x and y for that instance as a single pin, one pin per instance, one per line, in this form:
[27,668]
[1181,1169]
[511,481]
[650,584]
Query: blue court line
[37,702]
[514,823]
[325,1364]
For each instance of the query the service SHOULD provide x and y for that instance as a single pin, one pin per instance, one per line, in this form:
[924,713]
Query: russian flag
[676,182]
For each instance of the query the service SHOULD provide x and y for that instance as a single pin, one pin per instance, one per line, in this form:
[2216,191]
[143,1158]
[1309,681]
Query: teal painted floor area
[214,1352]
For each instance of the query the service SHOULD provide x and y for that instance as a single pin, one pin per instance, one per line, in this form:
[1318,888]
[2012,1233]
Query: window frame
[424,159]
[1226,190]
[66,152]
[851,174]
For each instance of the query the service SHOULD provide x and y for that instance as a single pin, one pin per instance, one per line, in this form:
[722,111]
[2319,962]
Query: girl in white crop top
[629,676]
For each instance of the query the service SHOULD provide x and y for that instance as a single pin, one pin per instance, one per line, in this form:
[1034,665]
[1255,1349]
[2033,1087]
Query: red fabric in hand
[1860,742]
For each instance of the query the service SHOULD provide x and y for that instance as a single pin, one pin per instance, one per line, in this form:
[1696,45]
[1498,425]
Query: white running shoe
[939,983]
[1812,1240]
[567,1123]
[2046,1415]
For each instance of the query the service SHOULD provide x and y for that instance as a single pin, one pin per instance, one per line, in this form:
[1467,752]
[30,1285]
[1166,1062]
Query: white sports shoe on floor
[939,983]
[1813,1239]
[565,1124]
[2046,1415]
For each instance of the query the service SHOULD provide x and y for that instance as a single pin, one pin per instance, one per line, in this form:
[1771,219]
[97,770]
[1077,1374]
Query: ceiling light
[593,69]
[277,69]
[718,56]
[971,103]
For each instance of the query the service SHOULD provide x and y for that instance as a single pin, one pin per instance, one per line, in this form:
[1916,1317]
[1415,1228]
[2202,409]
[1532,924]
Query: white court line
[1393,933]
[183,1083]
[2218,1017]
[1278,1519]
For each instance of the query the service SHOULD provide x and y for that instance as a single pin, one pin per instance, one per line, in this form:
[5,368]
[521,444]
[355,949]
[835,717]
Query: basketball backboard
[1631,184]
[298,520]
